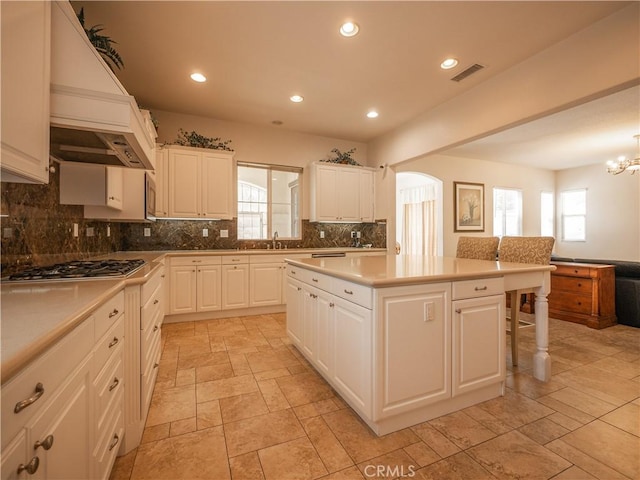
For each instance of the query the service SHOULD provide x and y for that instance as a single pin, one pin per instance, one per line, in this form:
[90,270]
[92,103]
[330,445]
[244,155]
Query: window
[507,212]
[268,201]
[546,214]
[574,215]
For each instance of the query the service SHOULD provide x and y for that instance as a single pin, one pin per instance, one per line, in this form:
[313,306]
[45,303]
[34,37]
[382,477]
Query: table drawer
[570,302]
[571,284]
[358,294]
[106,314]
[107,346]
[573,270]
[482,287]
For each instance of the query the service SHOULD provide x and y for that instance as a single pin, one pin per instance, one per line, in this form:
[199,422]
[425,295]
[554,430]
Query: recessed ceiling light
[372,114]
[198,77]
[449,63]
[296,98]
[349,29]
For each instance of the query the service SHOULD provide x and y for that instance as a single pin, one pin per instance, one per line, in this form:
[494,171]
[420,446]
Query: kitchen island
[404,339]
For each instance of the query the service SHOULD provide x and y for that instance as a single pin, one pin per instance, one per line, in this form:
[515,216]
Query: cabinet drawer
[106,314]
[481,287]
[149,288]
[152,310]
[108,346]
[50,369]
[235,259]
[149,338]
[108,444]
[573,270]
[148,380]
[358,294]
[318,280]
[295,272]
[570,302]
[571,284]
[108,387]
[196,260]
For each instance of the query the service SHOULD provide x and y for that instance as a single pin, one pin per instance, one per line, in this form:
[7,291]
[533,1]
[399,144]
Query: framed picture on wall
[468,207]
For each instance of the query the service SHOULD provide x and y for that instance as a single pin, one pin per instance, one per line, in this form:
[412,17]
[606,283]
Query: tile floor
[235,400]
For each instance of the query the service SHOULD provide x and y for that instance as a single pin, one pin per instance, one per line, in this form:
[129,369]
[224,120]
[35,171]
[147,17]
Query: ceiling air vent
[469,71]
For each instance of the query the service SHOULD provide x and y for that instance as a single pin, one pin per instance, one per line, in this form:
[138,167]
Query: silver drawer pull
[162,276]
[47,443]
[458,310]
[196,261]
[115,383]
[33,398]
[156,301]
[156,365]
[314,280]
[114,313]
[155,329]
[332,304]
[479,289]
[114,342]
[31,467]
[114,442]
[299,288]
[348,292]
[293,272]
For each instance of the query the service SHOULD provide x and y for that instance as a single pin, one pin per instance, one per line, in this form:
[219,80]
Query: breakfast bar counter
[404,339]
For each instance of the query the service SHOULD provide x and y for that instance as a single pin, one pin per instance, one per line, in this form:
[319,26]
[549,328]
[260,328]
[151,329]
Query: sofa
[627,287]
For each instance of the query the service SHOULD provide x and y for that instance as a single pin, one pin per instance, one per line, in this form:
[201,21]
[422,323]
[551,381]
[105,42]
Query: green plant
[193,139]
[342,157]
[102,43]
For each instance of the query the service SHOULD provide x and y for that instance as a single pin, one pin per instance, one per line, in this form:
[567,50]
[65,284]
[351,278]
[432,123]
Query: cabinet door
[14,455]
[367,213]
[353,359]
[115,187]
[295,302]
[217,186]
[309,314]
[235,286]
[326,199]
[209,288]
[265,284]
[325,307]
[26,74]
[478,342]
[184,184]
[183,291]
[66,421]
[348,194]
[162,183]
[415,332]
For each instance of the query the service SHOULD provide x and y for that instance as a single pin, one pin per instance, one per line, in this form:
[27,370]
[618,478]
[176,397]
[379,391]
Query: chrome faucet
[273,240]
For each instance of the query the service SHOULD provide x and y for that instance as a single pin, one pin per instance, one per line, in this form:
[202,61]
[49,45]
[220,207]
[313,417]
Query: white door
[265,284]
[309,313]
[327,206]
[217,186]
[184,184]
[294,312]
[366,196]
[209,288]
[348,194]
[182,294]
[235,286]
[325,309]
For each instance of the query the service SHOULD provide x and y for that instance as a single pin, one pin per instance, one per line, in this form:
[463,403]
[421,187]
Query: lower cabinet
[235,282]
[295,321]
[266,284]
[195,284]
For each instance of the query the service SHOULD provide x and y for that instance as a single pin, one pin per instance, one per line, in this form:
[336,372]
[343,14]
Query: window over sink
[268,201]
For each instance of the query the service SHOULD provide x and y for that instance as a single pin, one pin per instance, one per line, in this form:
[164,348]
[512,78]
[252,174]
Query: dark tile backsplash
[37,230]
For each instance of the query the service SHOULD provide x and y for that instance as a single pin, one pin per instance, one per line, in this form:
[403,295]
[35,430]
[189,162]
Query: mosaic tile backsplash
[37,230]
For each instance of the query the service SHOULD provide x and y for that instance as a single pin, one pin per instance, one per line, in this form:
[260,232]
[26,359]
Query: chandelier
[625,165]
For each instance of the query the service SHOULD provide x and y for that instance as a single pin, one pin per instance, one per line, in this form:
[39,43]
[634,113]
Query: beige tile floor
[235,400]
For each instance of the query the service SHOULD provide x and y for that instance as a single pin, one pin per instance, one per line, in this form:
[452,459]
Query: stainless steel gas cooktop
[80,269]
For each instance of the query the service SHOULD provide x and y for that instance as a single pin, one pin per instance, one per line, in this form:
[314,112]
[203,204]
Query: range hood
[93,118]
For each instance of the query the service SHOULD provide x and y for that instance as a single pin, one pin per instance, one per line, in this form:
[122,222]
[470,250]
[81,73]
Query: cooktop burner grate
[81,269]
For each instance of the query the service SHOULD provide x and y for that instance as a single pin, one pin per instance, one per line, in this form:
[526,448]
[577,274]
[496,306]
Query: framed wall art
[468,207]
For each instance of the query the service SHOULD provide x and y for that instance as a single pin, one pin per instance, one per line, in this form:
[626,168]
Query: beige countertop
[395,270]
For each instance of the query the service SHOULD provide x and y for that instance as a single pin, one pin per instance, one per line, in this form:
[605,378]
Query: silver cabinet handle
[155,329]
[114,313]
[314,280]
[332,304]
[114,342]
[299,288]
[156,301]
[33,398]
[115,383]
[31,467]
[114,442]
[348,292]
[458,310]
[162,276]
[156,365]
[293,272]
[47,443]
[479,289]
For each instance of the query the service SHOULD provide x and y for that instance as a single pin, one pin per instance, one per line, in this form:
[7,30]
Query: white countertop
[394,270]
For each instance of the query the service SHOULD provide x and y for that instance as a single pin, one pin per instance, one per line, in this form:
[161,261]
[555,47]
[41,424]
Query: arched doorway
[419,225]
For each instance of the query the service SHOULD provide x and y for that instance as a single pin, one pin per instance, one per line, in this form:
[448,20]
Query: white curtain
[419,236]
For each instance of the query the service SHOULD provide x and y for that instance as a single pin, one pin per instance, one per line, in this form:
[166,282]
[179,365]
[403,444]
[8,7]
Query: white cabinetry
[478,334]
[161,176]
[26,74]
[201,183]
[295,302]
[195,284]
[341,193]
[235,282]
[83,184]
[266,284]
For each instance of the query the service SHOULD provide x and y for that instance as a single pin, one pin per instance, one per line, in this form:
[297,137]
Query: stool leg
[515,326]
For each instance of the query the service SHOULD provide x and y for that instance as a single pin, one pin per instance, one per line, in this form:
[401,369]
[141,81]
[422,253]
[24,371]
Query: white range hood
[93,118]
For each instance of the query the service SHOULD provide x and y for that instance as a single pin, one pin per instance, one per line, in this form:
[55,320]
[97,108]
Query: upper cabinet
[92,185]
[26,53]
[341,193]
[201,183]
[162,182]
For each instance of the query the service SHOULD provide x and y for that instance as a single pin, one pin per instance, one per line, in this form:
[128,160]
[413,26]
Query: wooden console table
[583,293]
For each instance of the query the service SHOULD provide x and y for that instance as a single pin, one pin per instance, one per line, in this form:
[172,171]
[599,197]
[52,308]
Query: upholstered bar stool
[522,250]
[478,248]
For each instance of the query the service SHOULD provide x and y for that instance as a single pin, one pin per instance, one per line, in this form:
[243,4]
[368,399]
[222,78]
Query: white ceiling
[257,54]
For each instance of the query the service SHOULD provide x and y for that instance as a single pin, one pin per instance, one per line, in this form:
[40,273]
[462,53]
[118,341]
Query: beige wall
[613,214]
[531,181]
[259,144]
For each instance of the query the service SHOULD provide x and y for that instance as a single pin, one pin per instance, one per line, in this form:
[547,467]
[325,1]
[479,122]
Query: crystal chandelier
[625,165]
